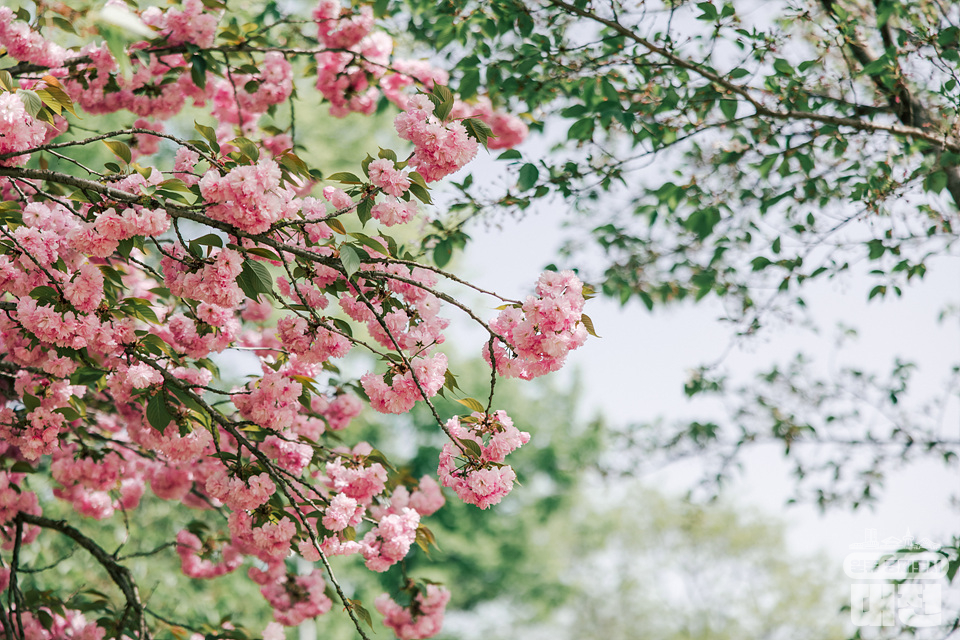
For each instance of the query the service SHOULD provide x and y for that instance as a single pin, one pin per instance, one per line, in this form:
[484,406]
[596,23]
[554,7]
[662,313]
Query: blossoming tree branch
[120,284]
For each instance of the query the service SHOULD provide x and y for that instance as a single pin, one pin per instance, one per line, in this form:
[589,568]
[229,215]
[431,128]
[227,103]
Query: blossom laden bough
[121,284]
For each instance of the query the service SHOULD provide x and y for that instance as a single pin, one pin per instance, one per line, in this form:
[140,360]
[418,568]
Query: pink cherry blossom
[425,623]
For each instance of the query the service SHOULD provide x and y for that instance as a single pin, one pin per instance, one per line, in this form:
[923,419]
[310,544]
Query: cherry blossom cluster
[353,77]
[13,500]
[344,76]
[214,281]
[18,129]
[395,183]
[22,43]
[249,197]
[482,480]
[192,24]
[543,330]
[422,619]
[297,598]
[71,624]
[399,389]
[440,148]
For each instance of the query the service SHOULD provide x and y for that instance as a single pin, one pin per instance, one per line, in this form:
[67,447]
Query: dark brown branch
[111,134]
[117,572]
[14,596]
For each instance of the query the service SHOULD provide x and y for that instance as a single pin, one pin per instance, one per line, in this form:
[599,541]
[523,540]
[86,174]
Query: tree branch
[904,104]
[117,572]
[942,141]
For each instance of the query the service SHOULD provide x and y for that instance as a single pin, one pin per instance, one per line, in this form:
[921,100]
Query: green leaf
[425,539]
[442,92]
[198,70]
[443,110]
[879,290]
[529,174]
[345,178]
[478,129]
[450,381]
[510,154]
[140,308]
[31,101]
[294,164]
[367,241]
[709,11]
[264,278]
[343,326]
[119,149]
[471,448]
[360,612]
[31,402]
[588,324]
[157,414]
[387,154]
[86,376]
[876,249]
[472,404]
[782,67]
[350,259]
[609,91]
[442,252]
[443,101]
[49,101]
[935,182]
[175,184]
[469,84]
[64,24]
[44,294]
[209,240]
[255,279]
[264,253]
[581,130]
[209,133]
[69,413]
[365,210]
[247,147]
[421,193]
[729,109]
